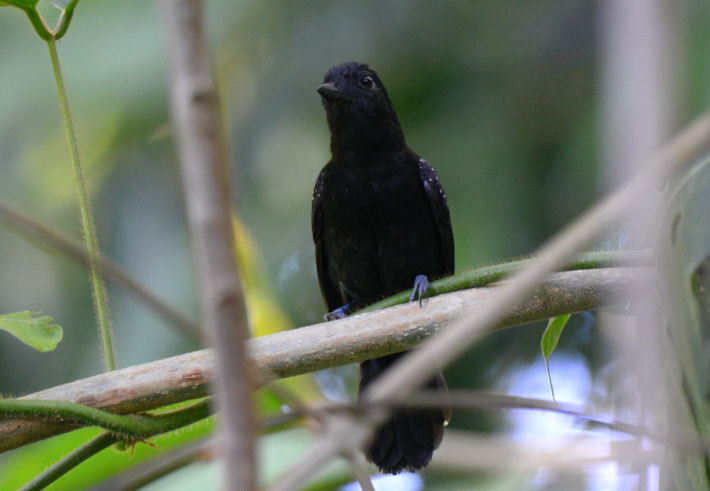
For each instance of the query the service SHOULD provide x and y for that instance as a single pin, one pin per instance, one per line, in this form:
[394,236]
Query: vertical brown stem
[196,119]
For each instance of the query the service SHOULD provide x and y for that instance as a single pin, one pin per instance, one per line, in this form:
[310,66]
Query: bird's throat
[361,143]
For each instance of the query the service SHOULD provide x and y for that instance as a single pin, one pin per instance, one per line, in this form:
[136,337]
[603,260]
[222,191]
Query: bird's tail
[407,440]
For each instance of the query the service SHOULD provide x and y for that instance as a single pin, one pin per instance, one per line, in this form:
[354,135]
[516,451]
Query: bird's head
[352,82]
[358,107]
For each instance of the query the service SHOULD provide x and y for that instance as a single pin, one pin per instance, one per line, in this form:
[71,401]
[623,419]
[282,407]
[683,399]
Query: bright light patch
[406,481]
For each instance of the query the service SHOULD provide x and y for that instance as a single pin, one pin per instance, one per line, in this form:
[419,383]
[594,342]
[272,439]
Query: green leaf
[39,332]
[552,334]
[549,341]
[23,4]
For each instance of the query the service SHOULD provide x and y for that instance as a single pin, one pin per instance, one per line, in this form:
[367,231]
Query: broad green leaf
[37,331]
[549,341]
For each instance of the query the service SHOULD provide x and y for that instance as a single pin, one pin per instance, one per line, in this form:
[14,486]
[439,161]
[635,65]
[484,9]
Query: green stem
[81,454]
[126,427]
[41,27]
[490,274]
[88,230]
[158,424]
[38,23]
[63,23]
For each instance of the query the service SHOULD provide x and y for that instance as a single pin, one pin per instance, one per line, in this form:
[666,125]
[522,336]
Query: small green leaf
[549,342]
[39,332]
[552,334]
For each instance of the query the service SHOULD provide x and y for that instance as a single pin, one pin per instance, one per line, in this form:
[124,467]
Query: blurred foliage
[685,243]
[501,97]
[265,316]
[23,464]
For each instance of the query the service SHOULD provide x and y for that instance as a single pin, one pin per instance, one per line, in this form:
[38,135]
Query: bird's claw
[421,289]
[339,313]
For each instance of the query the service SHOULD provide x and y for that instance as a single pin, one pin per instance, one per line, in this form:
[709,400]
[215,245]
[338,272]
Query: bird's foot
[421,289]
[338,313]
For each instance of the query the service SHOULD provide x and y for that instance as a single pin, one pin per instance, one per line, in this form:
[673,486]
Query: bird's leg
[421,289]
[339,313]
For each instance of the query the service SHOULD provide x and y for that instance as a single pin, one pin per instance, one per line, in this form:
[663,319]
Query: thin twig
[51,239]
[138,476]
[467,452]
[475,401]
[359,472]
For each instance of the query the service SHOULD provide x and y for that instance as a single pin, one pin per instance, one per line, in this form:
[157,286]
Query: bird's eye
[367,82]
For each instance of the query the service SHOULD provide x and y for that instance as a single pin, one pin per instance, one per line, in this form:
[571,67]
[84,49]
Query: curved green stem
[41,28]
[490,274]
[130,427]
[65,19]
[88,230]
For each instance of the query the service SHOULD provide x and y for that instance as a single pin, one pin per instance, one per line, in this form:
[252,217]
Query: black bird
[380,226]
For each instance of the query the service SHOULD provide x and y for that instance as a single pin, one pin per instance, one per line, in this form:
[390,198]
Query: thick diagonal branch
[323,345]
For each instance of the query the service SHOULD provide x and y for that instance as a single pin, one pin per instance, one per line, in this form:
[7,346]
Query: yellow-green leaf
[37,331]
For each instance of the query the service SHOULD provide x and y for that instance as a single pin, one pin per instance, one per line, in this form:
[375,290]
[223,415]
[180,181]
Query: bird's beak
[328,90]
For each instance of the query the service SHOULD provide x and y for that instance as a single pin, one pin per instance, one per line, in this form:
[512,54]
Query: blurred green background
[501,97]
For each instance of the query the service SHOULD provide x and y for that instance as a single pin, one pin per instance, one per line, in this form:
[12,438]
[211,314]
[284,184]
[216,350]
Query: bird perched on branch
[380,226]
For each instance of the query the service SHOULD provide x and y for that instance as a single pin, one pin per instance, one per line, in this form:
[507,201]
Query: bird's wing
[328,290]
[437,200]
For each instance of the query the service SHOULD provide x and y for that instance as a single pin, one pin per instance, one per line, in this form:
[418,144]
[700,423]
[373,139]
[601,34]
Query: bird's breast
[378,230]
